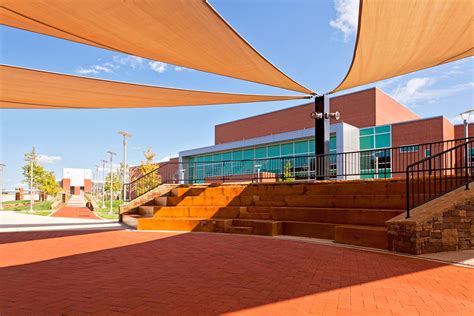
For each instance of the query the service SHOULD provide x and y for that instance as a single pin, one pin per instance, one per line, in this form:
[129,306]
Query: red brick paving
[75,212]
[151,273]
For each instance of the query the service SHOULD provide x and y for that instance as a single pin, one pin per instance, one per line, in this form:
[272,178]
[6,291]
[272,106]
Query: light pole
[96,189]
[1,186]
[111,180]
[465,116]
[32,159]
[125,169]
[103,181]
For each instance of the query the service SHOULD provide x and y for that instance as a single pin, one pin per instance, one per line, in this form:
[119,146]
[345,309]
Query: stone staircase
[350,212]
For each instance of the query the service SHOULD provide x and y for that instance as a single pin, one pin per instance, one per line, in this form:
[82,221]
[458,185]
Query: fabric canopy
[187,33]
[22,88]
[399,37]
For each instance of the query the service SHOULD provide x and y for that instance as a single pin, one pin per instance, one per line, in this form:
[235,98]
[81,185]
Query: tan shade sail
[187,33]
[396,37]
[22,88]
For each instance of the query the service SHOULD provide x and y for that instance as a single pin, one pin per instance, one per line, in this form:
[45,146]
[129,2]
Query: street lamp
[465,116]
[1,186]
[125,169]
[103,181]
[258,172]
[111,180]
[96,187]
[32,160]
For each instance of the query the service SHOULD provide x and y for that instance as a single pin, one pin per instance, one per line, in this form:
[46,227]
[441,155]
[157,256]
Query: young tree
[117,182]
[31,158]
[43,180]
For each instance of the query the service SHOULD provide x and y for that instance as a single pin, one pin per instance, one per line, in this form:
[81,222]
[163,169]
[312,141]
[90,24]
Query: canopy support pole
[321,136]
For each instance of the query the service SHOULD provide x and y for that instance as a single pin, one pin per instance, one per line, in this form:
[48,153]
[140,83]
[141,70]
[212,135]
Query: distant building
[77,181]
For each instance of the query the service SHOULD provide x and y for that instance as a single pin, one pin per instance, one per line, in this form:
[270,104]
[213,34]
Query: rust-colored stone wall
[459,130]
[444,224]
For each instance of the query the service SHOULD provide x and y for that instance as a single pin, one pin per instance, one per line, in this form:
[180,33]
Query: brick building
[370,120]
[76,181]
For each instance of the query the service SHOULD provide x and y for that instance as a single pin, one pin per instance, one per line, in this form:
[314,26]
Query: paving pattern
[75,212]
[153,273]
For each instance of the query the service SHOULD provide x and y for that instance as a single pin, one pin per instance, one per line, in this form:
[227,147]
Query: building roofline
[420,119]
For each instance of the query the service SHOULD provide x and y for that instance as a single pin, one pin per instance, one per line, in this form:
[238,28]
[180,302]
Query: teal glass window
[409,149]
[310,146]
[332,143]
[217,157]
[208,158]
[301,147]
[273,151]
[382,129]
[261,152]
[382,141]
[428,153]
[366,131]
[287,149]
[249,154]
[237,155]
[227,156]
[367,142]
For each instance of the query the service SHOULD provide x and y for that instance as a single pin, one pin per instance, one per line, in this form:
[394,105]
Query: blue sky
[311,41]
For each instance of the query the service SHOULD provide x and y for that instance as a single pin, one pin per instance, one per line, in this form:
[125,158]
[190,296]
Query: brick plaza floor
[74,212]
[153,273]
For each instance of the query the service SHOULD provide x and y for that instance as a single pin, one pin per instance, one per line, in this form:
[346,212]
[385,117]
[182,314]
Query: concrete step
[183,224]
[204,200]
[359,235]
[192,211]
[188,191]
[309,229]
[260,227]
[332,215]
[131,220]
[239,230]
[255,215]
[348,201]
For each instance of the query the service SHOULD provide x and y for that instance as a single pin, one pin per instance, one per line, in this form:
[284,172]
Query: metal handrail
[377,163]
[450,168]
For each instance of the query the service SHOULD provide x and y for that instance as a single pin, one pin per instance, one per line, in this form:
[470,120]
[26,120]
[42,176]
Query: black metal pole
[321,136]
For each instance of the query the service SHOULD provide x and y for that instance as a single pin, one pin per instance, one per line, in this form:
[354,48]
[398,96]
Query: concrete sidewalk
[15,222]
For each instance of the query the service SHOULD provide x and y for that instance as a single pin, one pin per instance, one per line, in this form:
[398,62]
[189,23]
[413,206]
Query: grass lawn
[106,207]
[106,215]
[24,205]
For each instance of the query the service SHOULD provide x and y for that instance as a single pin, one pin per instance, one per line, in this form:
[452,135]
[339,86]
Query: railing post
[466,164]
[408,194]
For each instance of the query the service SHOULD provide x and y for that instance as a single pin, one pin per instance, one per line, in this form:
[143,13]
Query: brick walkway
[75,212]
[145,273]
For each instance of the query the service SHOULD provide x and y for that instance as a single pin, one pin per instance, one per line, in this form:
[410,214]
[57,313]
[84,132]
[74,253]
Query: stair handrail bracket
[438,174]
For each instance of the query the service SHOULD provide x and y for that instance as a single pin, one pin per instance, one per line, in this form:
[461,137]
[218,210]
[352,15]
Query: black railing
[439,174]
[365,164]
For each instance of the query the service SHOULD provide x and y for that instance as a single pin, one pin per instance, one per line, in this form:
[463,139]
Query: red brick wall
[167,169]
[87,186]
[66,184]
[362,109]
[390,111]
[77,190]
[459,131]
[418,132]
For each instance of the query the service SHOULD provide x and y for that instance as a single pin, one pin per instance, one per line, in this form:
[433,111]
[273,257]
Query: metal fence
[439,174]
[365,164]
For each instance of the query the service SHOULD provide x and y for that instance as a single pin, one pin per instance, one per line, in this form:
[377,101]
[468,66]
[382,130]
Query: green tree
[43,180]
[31,158]
[48,184]
[116,184]
[146,179]
[287,175]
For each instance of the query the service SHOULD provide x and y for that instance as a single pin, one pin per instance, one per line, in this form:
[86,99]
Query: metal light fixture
[125,169]
[465,116]
[111,153]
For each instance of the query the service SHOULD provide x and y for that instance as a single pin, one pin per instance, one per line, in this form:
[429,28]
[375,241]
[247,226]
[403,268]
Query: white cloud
[95,69]
[157,66]
[418,90]
[129,60]
[346,17]
[178,68]
[49,159]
